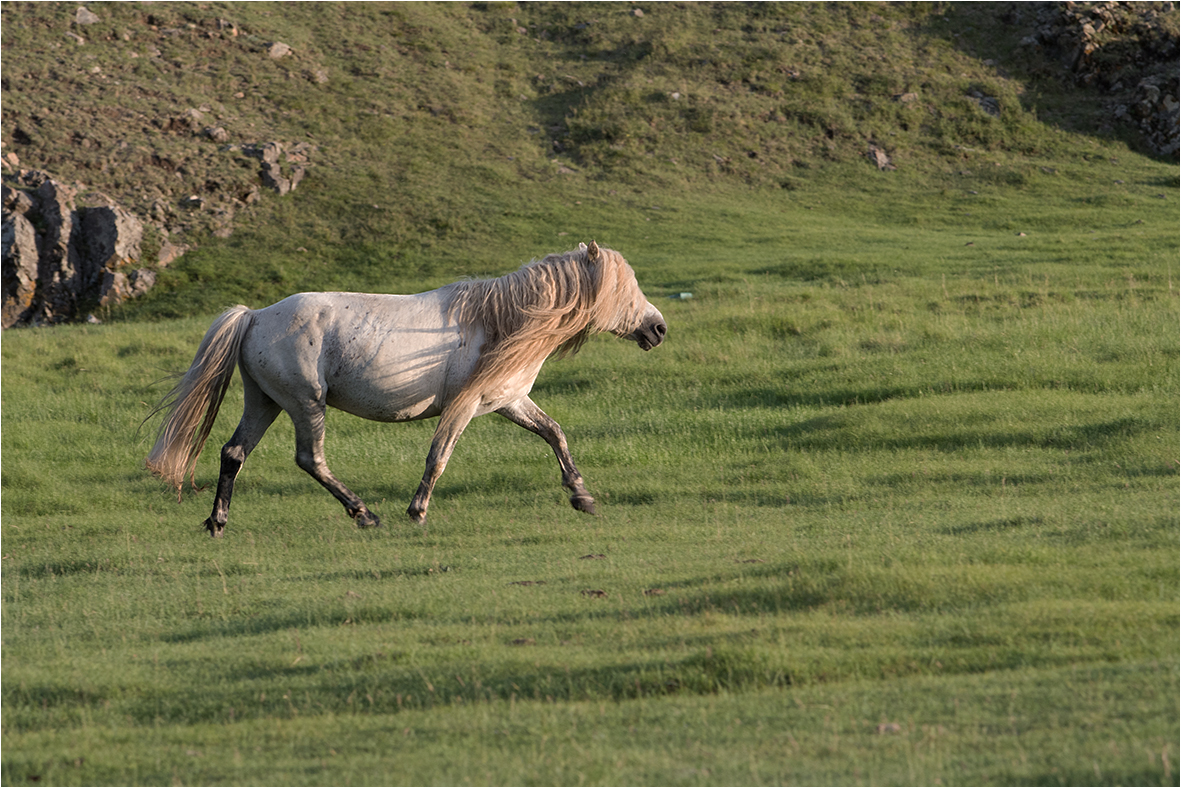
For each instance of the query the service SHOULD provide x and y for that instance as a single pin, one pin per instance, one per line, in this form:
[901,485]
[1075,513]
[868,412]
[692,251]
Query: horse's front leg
[526,413]
[452,423]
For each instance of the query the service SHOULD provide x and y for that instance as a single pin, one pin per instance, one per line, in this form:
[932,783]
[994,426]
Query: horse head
[633,315]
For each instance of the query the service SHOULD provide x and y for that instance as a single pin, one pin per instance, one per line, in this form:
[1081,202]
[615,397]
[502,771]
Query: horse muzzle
[651,331]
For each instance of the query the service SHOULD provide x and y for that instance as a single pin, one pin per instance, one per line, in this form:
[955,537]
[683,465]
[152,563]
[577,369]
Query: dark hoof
[367,519]
[216,530]
[416,516]
[583,503]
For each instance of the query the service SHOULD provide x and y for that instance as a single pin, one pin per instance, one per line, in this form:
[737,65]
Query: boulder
[879,158]
[268,152]
[141,280]
[170,253]
[60,268]
[85,16]
[113,289]
[189,120]
[113,237]
[116,286]
[16,201]
[20,255]
[272,178]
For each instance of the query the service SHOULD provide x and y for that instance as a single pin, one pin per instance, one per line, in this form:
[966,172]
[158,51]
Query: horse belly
[392,395]
[405,370]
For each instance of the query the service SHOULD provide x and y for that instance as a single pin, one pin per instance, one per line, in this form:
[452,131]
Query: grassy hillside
[450,139]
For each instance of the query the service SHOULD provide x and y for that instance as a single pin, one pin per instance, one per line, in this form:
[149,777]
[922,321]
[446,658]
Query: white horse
[464,350]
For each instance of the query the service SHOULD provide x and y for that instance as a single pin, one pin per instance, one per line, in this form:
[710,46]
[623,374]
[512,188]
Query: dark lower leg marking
[526,414]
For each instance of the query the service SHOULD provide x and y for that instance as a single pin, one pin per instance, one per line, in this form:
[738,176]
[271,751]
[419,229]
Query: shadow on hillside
[1077,94]
[565,94]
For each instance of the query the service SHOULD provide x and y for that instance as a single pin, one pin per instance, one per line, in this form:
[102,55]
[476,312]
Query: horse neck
[541,303]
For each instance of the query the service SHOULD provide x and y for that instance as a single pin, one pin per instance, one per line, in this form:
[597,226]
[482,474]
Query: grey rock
[60,268]
[17,201]
[32,178]
[114,288]
[170,253]
[20,256]
[272,178]
[75,261]
[879,157]
[113,237]
[271,152]
[141,281]
[189,120]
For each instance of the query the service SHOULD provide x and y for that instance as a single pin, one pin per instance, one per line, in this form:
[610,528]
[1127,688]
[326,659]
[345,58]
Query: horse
[467,349]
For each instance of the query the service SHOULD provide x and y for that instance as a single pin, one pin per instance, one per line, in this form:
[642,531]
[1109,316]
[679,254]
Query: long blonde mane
[548,306]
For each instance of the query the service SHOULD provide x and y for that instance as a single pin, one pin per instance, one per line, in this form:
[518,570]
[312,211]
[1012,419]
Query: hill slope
[442,132]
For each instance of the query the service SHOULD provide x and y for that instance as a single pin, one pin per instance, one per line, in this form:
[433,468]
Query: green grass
[1019,727]
[885,508]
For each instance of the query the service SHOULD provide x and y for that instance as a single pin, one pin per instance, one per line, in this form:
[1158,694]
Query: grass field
[896,503]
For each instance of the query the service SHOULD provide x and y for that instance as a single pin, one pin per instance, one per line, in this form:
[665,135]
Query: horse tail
[193,403]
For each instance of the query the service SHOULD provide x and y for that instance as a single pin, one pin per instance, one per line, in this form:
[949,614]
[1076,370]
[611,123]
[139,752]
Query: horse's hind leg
[258,413]
[526,413]
[309,455]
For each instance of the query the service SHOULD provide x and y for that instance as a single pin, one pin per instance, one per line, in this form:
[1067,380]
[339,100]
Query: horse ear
[582,247]
[592,253]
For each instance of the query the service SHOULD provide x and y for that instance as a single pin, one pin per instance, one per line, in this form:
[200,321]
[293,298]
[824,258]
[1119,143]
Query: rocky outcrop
[61,260]
[1129,50]
[1153,108]
[272,155]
